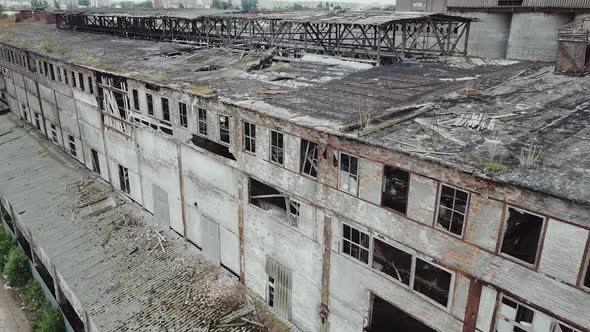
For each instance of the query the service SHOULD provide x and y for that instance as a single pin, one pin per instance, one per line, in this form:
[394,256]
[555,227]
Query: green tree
[39,4]
[389,8]
[84,3]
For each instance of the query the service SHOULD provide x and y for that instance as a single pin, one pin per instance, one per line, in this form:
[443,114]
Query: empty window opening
[249,137]
[58,74]
[37,121]
[51,72]
[224,129]
[214,147]
[90,85]
[43,273]
[452,207]
[355,243]
[124,179]
[277,151]
[270,291]
[73,79]
[166,130]
[54,133]
[72,145]
[522,234]
[66,81]
[309,158]
[81,81]
[268,198]
[586,281]
[165,109]
[135,99]
[432,281]
[385,317]
[95,161]
[392,261]
[396,183]
[150,104]
[202,119]
[183,115]
[348,177]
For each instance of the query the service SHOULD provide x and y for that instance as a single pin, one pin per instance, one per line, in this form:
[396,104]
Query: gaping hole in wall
[432,281]
[214,147]
[395,189]
[268,198]
[386,318]
[392,261]
[309,158]
[522,234]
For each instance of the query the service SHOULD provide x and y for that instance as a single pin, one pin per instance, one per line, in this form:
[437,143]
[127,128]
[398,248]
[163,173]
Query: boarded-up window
[279,278]
[355,243]
[392,261]
[522,235]
[395,189]
[348,176]
[432,281]
[452,207]
[309,158]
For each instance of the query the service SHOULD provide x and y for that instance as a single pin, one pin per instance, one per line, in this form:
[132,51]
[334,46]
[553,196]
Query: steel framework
[376,38]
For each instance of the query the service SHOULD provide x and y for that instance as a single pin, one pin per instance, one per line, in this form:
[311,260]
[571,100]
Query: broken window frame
[72,145]
[95,161]
[294,212]
[124,185]
[202,122]
[384,204]
[183,114]
[249,137]
[360,248]
[165,109]
[452,210]
[539,240]
[397,247]
[310,158]
[225,129]
[345,176]
[275,149]
[288,206]
[135,94]
[555,323]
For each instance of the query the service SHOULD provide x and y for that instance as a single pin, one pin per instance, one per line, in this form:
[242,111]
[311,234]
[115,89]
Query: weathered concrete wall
[488,38]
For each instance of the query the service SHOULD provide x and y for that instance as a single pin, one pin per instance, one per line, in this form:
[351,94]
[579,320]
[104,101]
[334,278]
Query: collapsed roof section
[377,38]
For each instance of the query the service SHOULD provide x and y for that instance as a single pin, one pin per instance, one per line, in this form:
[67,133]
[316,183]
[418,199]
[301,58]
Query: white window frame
[539,241]
[270,145]
[220,129]
[346,176]
[251,138]
[438,206]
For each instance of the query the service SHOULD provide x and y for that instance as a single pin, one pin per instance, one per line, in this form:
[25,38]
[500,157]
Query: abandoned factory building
[354,171]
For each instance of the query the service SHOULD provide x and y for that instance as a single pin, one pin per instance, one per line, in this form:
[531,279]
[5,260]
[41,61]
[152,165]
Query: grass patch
[46,46]
[6,244]
[200,90]
[495,167]
[17,268]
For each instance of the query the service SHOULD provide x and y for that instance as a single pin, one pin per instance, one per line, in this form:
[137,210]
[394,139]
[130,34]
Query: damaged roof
[127,273]
[516,123]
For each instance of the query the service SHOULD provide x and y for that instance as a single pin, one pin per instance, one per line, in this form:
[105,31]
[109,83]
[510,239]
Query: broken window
[224,129]
[51,72]
[54,133]
[392,261]
[277,152]
[95,161]
[432,281]
[294,208]
[514,317]
[165,109]
[348,176]
[385,317]
[270,291]
[452,207]
[309,158]
[267,197]
[81,81]
[522,234]
[355,243]
[183,116]
[560,327]
[124,179]
[73,79]
[394,193]
[211,146]
[249,137]
[72,145]
[135,99]
[150,104]
[90,85]
[202,119]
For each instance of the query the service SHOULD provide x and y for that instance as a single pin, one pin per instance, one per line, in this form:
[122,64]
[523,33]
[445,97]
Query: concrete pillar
[488,38]
[533,36]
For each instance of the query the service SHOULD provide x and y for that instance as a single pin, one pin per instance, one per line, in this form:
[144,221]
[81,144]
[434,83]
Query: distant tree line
[133,5]
[39,4]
